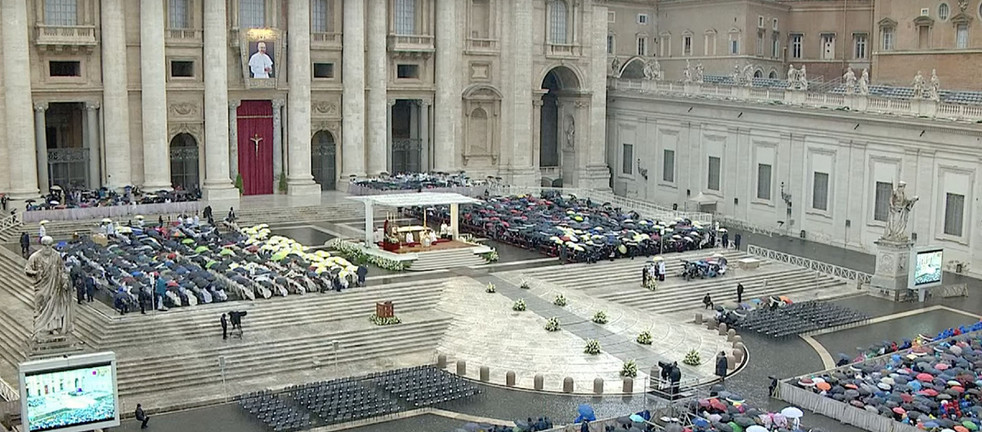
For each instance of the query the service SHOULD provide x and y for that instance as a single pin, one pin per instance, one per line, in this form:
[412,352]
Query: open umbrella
[792,412]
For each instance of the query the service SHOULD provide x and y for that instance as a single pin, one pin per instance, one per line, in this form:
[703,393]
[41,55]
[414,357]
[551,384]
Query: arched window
[772,75]
[557,22]
[405,17]
[758,74]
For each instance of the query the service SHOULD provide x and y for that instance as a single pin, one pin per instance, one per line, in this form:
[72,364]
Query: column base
[150,187]
[21,196]
[303,188]
[521,176]
[595,177]
[220,193]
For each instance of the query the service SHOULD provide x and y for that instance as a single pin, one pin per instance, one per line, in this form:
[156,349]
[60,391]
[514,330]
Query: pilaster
[277,143]
[218,111]
[156,152]
[116,105]
[22,161]
[448,98]
[299,181]
[377,81]
[353,91]
[95,164]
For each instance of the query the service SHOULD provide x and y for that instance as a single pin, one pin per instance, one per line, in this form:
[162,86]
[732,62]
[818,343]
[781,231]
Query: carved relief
[325,108]
[482,109]
[184,109]
[191,128]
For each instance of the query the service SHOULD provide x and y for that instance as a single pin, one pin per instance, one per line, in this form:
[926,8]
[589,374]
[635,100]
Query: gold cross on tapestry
[255,142]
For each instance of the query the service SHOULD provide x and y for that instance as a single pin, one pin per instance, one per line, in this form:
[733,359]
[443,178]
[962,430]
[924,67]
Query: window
[796,40]
[610,44]
[734,44]
[611,17]
[774,24]
[61,12]
[64,68]
[760,21]
[323,70]
[181,69]
[886,36]
[320,16]
[405,17]
[961,36]
[828,46]
[557,21]
[668,166]
[881,202]
[713,174]
[760,43]
[943,11]
[406,71]
[252,14]
[665,46]
[923,37]
[643,19]
[480,19]
[820,191]
[687,45]
[627,160]
[772,75]
[642,46]
[859,43]
[954,214]
[775,45]
[710,48]
[764,182]
[177,14]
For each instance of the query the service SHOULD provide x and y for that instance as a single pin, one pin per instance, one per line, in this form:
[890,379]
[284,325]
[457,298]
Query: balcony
[481,46]
[65,37]
[411,45]
[183,37]
[325,40]
[563,51]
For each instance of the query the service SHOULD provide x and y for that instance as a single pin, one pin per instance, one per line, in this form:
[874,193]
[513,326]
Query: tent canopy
[415,199]
[703,199]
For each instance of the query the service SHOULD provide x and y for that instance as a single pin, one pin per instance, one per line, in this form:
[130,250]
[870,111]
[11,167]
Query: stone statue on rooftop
[687,72]
[52,292]
[864,83]
[792,77]
[850,79]
[615,67]
[748,75]
[918,85]
[699,74]
[934,89]
[900,206]
[736,74]
[803,78]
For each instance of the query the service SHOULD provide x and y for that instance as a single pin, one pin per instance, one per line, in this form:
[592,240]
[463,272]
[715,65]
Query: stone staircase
[16,315]
[446,259]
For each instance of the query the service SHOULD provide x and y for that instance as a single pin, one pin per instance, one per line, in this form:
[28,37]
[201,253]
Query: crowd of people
[405,182]
[58,198]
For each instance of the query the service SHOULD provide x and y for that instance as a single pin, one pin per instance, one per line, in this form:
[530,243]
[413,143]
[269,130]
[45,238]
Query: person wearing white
[432,237]
[409,238]
[41,232]
[260,64]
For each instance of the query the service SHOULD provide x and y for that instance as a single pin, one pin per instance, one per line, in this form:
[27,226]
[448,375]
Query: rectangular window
[961,36]
[859,41]
[642,46]
[710,48]
[828,46]
[181,69]
[796,43]
[665,46]
[61,12]
[713,174]
[734,45]
[886,35]
[408,71]
[320,16]
[252,14]
[64,68]
[405,17]
[924,37]
[820,191]
[881,202]
[611,17]
[668,166]
[323,70]
[954,214]
[760,21]
[764,182]
[610,44]
[775,45]
[760,43]
[177,14]
[774,24]
[627,160]
[643,19]
[687,45]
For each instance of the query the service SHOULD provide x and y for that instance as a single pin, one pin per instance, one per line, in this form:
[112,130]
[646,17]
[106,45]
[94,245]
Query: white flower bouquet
[519,305]
[692,358]
[552,324]
[600,317]
[491,257]
[630,369]
[525,285]
[644,338]
[592,347]
[560,301]
[377,320]
[490,288]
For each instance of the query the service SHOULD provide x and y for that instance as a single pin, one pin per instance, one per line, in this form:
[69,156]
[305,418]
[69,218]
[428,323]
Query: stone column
[353,92]
[233,139]
[300,181]
[22,159]
[448,101]
[95,164]
[411,154]
[518,97]
[537,103]
[424,135]
[592,168]
[115,104]
[41,146]
[218,184]
[277,143]
[377,83]
[388,134]
[156,154]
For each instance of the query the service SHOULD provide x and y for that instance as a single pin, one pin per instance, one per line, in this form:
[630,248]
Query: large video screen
[927,267]
[67,397]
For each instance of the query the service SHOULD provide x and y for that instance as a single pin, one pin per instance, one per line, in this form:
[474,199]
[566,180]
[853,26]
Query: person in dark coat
[207,213]
[721,365]
[726,240]
[141,416]
[708,301]
[25,244]
[143,298]
[675,376]
[362,273]
[585,426]
[224,327]
[739,293]
[89,288]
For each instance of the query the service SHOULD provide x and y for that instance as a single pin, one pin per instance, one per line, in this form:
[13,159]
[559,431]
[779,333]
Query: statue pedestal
[891,276]
[53,346]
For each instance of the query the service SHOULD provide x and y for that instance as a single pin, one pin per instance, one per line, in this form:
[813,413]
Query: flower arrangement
[525,285]
[651,284]
[630,369]
[519,305]
[600,317]
[592,347]
[354,254]
[490,257]
[490,288]
[560,301]
[644,338]
[692,358]
[552,324]
[377,320]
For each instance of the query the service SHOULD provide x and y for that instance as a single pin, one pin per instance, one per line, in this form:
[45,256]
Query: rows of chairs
[276,413]
[797,318]
[342,400]
[424,385]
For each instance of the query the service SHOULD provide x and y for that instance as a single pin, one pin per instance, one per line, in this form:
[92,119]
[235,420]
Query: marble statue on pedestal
[803,78]
[934,89]
[687,73]
[850,79]
[698,76]
[736,75]
[918,85]
[615,67]
[52,292]
[864,83]
[792,77]
[748,75]
[900,206]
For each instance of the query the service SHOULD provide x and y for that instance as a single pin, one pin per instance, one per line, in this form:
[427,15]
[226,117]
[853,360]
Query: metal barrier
[9,223]
[7,392]
[843,412]
[819,266]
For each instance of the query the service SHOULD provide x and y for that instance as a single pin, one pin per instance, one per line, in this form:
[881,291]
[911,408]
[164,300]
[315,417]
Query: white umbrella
[43,222]
[792,413]
[756,428]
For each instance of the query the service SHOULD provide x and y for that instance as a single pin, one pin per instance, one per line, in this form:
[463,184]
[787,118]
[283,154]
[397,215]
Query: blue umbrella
[586,413]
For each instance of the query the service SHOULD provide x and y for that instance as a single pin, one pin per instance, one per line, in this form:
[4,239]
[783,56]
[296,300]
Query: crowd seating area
[793,319]
[424,386]
[884,91]
[342,400]
[409,182]
[724,411]
[58,198]
[274,411]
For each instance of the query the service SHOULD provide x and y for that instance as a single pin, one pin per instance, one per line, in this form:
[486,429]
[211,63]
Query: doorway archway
[323,160]
[184,161]
[552,137]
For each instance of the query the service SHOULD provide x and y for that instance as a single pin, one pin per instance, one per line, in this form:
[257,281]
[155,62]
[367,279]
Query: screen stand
[890,279]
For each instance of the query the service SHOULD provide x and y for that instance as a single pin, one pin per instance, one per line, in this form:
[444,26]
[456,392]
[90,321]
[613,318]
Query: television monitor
[926,268]
[68,394]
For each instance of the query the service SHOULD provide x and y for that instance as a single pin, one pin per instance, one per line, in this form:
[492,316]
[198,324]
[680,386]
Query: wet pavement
[927,323]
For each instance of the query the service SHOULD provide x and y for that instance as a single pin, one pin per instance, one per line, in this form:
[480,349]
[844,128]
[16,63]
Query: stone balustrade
[77,35]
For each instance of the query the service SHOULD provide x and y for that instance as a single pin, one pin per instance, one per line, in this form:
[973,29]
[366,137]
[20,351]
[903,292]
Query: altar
[417,232]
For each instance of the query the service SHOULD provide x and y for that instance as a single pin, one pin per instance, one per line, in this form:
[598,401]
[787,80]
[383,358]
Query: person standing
[707,301]
[721,365]
[89,288]
[143,298]
[739,293]
[141,416]
[224,327]
[42,231]
[25,244]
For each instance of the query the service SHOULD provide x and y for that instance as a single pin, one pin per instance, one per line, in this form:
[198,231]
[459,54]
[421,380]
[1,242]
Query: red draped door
[255,128]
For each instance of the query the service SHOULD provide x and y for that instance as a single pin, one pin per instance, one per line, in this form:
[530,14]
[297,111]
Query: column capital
[92,106]
[233,104]
[391,102]
[40,106]
[277,103]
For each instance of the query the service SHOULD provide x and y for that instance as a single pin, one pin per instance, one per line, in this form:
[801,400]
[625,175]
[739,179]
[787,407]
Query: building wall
[856,151]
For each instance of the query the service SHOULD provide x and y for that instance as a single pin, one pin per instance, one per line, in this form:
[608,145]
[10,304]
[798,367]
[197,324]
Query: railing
[325,39]
[410,43]
[646,209]
[65,35]
[7,391]
[818,266]
[9,223]
[482,44]
[730,223]
[183,35]
[562,50]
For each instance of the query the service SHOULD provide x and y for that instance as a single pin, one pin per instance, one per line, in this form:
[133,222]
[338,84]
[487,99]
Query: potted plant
[490,288]
[560,301]
[600,317]
[552,324]
[525,285]
[519,305]
[380,321]
[592,347]
[644,338]
[630,369]
[692,358]
[490,257]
